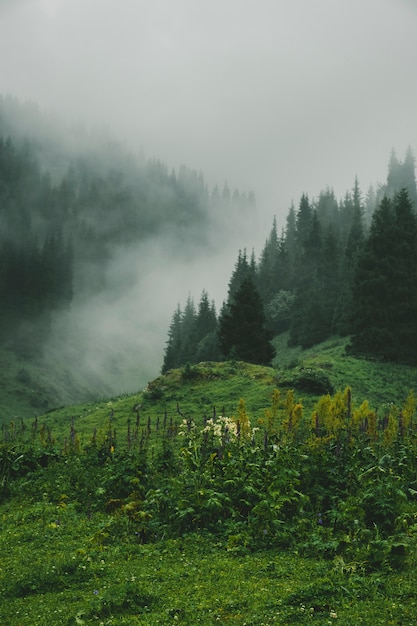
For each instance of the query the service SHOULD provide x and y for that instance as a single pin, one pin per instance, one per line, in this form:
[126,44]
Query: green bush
[311,380]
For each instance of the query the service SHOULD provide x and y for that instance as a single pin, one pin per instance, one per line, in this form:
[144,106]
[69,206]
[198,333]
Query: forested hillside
[339,267]
[86,229]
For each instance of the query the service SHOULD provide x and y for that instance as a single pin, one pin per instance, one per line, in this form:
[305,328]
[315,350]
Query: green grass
[212,387]
[33,388]
[219,387]
[60,567]
[377,382]
[68,559]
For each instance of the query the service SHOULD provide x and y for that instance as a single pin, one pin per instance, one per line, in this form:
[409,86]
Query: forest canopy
[340,267]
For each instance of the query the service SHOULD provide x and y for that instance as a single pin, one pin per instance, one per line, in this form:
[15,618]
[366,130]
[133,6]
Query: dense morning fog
[277,97]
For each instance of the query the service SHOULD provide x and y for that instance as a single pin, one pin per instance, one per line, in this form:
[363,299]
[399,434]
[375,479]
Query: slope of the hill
[376,381]
[200,391]
[32,387]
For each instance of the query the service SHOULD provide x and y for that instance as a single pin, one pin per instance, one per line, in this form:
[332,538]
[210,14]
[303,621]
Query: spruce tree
[385,285]
[242,327]
[173,347]
[290,236]
[268,267]
[349,258]
[243,269]
[307,323]
[303,220]
[205,332]
[187,334]
[394,176]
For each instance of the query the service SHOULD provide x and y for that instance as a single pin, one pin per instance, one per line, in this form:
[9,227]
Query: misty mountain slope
[29,388]
[96,246]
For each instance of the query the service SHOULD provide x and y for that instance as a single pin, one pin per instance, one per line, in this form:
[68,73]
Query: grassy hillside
[32,387]
[152,509]
[29,389]
[375,381]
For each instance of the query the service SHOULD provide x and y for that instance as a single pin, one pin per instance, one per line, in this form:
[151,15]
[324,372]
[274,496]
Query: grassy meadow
[223,493]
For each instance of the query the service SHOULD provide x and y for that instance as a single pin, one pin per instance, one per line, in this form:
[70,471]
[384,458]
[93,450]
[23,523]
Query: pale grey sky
[278,96]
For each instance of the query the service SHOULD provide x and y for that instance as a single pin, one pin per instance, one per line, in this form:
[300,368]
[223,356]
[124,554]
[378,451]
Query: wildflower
[187,427]
[224,427]
[320,519]
[333,614]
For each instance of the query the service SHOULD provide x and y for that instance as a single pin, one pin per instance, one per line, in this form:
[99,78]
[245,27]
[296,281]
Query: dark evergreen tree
[394,176]
[327,209]
[242,270]
[370,206]
[173,347]
[192,335]
[351,208]
[290,236]
[330,275]
[188,336]
[308,324]
[267,275]
[354,244]
[242,327]
[303,220]
[385,286]
[207,348]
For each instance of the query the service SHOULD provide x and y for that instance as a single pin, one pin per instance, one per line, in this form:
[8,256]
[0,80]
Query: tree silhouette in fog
[242,327]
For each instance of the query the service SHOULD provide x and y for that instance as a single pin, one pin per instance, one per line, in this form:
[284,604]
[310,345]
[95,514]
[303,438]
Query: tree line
[345,267]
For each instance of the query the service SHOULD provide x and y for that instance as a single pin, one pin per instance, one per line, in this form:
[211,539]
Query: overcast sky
[278,96]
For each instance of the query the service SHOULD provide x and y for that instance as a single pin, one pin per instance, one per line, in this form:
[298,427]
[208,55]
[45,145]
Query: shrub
[308,379]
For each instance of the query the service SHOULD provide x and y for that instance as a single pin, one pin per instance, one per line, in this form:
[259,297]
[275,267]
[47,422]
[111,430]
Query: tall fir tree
[242,327]
[303,220]
[173,347]
[385,285]
[205,332]
[267,273]
[308,323]
[348,261]
[188,336]
[243,269]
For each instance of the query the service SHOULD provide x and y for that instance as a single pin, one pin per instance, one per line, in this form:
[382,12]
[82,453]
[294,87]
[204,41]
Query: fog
[279,96]
[276,96]
[118,337]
